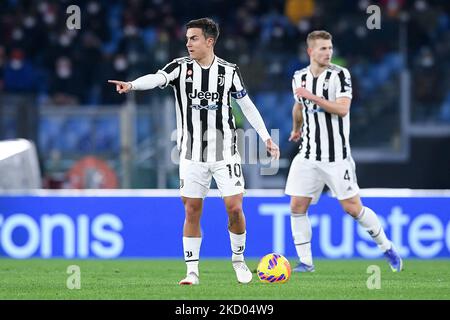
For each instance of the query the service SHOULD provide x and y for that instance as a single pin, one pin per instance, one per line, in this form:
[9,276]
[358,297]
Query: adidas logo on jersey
[238,184]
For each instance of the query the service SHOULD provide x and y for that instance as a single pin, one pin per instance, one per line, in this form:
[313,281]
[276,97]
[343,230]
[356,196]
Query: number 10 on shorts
[236,169]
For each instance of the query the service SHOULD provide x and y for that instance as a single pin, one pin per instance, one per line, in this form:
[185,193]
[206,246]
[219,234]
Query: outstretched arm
[146,82]
[254,117]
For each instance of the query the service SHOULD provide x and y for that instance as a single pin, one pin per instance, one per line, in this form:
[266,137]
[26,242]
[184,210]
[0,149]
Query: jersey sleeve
[171,72]
[294,87]
[238,90]
[343,84]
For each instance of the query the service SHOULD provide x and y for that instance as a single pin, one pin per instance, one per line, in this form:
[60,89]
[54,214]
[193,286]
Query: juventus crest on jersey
[206,130]
[325,136]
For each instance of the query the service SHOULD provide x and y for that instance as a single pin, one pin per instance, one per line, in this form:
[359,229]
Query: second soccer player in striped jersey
[206,139]
[321,120]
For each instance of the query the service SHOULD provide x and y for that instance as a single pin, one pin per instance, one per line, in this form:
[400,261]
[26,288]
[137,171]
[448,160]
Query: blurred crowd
[123,39]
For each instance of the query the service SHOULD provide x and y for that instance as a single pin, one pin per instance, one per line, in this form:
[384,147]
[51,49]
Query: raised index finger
[115,81]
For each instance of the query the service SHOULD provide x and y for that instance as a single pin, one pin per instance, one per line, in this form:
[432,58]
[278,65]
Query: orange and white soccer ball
[274,268]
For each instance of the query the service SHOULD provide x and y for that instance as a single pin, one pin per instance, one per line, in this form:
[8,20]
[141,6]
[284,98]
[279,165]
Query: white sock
[237,246]
[191,247]
[370,222]
[302,233]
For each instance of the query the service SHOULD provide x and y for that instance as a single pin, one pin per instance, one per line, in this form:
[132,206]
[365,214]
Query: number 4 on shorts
[346,175]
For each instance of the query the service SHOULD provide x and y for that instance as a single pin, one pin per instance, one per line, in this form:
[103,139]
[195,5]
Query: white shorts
[308,177]
[195,177]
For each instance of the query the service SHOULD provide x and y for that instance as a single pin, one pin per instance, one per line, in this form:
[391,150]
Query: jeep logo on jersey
[204,95]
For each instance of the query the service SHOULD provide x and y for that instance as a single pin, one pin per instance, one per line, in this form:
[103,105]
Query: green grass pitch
[158,279]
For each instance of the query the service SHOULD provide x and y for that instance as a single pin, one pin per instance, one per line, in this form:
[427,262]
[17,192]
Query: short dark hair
[209,27]
[318,34]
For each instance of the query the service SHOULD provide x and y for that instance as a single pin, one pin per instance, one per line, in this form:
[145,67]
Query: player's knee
[352,206]
[234,210]
[193,212]
[299,205]
[352,209]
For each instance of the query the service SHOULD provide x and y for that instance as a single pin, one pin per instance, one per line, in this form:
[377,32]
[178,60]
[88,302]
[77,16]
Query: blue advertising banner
[56,226]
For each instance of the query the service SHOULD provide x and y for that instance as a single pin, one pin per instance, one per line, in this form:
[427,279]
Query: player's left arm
[252,114]
[343,93]
[341,106]
[254,118]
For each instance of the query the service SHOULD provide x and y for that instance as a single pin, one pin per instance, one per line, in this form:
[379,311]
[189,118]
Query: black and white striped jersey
[325,136]
[206,129]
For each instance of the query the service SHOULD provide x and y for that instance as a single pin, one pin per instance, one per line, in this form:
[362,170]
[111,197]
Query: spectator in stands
[19,73]
[428,84]
[89,57]
[115,68]
[65,83]
[261,39]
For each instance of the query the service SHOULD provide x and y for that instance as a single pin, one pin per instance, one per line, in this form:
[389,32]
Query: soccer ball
[274,268]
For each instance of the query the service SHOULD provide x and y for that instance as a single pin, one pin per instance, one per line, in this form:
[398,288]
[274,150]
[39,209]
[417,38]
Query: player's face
[196,43]
[321,51]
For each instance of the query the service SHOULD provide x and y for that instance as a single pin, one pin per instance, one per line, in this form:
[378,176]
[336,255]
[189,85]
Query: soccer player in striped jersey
[321,120]
[206,138]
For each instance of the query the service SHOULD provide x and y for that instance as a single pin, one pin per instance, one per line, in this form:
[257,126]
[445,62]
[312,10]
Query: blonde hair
[318,34]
